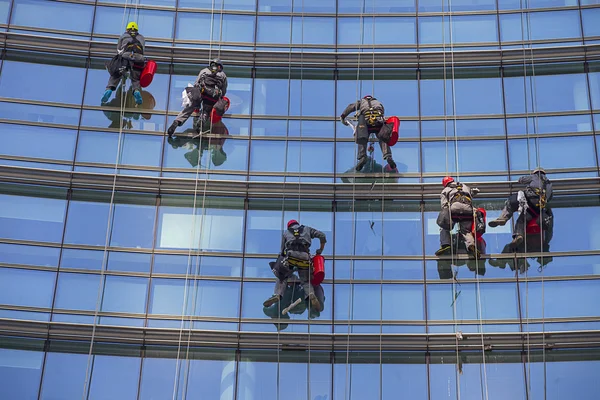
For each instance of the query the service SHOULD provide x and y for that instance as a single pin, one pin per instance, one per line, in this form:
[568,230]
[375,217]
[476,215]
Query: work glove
[475,191]
[343,120]
[319,251]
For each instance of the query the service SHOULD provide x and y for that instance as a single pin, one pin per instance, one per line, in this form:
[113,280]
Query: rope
[454,270]
[348,379]
[100,294]
[198,257]
[532,89]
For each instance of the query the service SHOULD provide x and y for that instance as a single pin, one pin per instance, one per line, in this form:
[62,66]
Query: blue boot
[106,95]
[138,97]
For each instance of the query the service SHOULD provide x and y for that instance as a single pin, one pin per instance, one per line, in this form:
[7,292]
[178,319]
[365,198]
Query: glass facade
[133,266]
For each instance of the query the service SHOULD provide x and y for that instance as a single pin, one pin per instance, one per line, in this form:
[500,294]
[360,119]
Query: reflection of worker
[130,56]
[294,291]
[115,116]
[199,144]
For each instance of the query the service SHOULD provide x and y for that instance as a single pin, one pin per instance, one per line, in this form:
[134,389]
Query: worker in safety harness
[370,120]
[130,56]
[457,207]
[295,254]
[207,93]
[532,202]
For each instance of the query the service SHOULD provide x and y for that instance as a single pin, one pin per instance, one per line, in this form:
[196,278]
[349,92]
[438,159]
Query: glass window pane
[307,156]
[114,377]
[82,259]
[566,92]
[377,6]
[430,29]
[53,15]
[152,23]
[64,376]
[45,142]
[408,379]
[484,155]
[394,294]
[35,113]
[215,230]
[129,262]
[45,82]
[101,147]
[26,288]
[561,299]
[555,25]
[87,223]
[270,97]
[133,226]
[31,218]
[214,154]
[77,291]
[571,378]
[4,9]
[595,93]
[302,102]
[478,96]
[125,294]
[30,255]
[387,30]
[498,301]
[20,372]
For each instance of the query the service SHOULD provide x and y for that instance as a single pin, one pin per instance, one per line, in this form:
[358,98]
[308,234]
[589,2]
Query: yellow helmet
[132,25]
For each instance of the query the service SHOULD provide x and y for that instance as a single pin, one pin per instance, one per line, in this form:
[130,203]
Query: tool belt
[461,198]
[298,259]
[211,92]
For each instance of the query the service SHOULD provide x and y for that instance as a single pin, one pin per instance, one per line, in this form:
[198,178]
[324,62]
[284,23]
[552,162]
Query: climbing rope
[100,292]
[199,250]
[526,16]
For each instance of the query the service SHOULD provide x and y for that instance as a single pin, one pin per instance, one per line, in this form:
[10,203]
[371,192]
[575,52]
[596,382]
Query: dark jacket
[128,43]
[537,181]
[308,234]
[363,106]
[207,79]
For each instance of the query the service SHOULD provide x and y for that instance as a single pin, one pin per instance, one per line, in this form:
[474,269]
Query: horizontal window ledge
[253,57]
[314,341]
[257,189]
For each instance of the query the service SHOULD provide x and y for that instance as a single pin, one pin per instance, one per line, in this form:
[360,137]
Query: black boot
[171,130]
[391,163]
[444,249]
[361,163]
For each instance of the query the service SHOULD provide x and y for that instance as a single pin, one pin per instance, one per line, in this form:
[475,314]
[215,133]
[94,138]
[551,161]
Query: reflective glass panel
[26,288]
[152,23]
[40,142]
[31,255]
[133,225]
[31,218]
[53,15]
[20,372]
[114,377]
[45,82]
[64,376]
[125,294]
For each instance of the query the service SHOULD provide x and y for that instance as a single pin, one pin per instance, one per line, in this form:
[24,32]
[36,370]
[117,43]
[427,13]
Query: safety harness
[297,250]
[537,193]
[373,115]
[461,196]
[135,46]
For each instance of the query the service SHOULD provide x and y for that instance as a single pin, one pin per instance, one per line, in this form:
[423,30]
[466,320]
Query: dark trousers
[459,213]
[207,104]
[364,130]
[135,71]
[283,273]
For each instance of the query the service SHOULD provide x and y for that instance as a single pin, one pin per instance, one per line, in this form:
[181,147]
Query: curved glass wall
[134,257]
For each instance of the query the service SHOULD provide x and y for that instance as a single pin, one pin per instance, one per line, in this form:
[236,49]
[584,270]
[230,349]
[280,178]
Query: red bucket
[214,117]
[396,128]
[532,227]
[318,269]
[148,74]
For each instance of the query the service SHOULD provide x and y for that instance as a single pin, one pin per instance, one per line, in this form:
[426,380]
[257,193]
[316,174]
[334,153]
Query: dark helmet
[215,65]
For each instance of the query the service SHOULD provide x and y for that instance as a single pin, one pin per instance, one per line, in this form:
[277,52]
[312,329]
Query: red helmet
[291,222]
[447,180]
[367,96]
